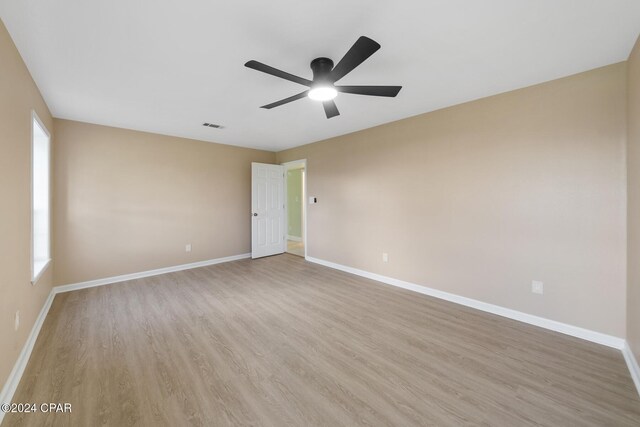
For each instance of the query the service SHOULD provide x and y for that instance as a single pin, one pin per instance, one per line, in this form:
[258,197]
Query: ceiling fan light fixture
[323,93]
[321,87]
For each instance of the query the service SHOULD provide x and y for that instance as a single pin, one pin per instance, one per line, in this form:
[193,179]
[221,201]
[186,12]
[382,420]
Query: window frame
[35,276]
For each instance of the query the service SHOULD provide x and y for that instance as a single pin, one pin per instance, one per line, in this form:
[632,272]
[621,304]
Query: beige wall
[478,200]
[482,198]
[130,201]
[18,96]
[633,212]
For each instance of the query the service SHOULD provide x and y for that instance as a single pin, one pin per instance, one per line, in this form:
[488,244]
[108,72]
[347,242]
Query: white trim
[18,368]
[149,273]
[305,242]
[12,382]
[295,164]
[35,116]
[575,331]
[294,238]
[632,364]
[35,276]
[41,272]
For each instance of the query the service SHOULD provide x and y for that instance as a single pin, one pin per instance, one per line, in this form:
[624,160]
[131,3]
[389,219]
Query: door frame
[295,164]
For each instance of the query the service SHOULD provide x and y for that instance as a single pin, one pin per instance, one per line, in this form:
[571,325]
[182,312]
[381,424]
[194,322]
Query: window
[40,200]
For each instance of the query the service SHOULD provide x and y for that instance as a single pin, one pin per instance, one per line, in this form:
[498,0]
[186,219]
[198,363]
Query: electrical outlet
[537,287]
[385,257]
[187,247]
[17,320]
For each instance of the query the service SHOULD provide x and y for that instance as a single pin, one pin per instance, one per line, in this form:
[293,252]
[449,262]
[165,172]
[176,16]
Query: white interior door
[267,210]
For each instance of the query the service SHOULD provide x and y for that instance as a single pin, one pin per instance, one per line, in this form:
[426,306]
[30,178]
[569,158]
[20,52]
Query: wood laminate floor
[279,341]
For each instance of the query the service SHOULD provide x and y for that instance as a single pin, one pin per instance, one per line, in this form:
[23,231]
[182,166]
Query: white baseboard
[12,382]
[18,368]
[575,331]
[149,273]
[632,363]
[294,238]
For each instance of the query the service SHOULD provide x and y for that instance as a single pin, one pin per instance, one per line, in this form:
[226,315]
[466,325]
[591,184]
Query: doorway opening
[295,215]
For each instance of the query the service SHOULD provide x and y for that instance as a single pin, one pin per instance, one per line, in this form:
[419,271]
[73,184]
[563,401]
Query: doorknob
[255,214]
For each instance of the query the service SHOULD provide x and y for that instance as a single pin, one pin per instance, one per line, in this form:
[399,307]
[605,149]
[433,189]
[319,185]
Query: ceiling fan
[325,75]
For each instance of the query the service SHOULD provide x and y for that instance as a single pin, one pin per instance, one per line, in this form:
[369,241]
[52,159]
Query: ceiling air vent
[211,125]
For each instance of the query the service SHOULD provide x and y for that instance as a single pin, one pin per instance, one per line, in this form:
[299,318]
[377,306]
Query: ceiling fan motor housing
[321,68]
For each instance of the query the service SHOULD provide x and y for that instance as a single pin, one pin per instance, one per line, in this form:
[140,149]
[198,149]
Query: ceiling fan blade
[330,109]
[259,66]
[363,48]
[286,100]
[389,91]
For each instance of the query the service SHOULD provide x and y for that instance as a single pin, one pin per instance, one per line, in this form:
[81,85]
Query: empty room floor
[280,341]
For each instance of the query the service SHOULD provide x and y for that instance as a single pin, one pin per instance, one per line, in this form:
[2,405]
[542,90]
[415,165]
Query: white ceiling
[168,66]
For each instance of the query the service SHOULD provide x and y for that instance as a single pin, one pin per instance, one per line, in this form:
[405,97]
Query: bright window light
[40,202]
[323,93]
